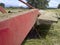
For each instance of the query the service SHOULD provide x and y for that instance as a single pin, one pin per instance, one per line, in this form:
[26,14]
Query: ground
[53,36]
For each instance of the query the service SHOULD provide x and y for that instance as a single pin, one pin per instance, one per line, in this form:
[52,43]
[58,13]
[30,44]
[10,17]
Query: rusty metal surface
[14,30]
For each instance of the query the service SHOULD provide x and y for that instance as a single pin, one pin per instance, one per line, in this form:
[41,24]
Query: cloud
[12,3]
[57,1]
[53,3]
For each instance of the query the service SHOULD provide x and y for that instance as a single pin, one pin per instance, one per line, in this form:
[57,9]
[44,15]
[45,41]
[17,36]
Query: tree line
[40,4]
[2,4]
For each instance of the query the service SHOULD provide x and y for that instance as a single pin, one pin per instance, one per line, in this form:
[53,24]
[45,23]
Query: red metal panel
[13,31]
[2,10]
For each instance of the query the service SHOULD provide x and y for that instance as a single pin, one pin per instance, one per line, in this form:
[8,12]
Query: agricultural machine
[15,27]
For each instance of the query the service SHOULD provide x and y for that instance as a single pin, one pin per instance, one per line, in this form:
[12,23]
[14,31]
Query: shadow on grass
[43,30]
[38,32]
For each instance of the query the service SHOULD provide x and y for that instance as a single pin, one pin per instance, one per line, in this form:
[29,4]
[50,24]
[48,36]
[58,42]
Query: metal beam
[14,30]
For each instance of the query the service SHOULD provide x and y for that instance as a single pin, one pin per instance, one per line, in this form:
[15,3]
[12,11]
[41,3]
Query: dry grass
[52,38]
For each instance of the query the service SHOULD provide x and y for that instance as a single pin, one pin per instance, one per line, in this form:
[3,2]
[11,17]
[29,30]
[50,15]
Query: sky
[12,3]
[52,3]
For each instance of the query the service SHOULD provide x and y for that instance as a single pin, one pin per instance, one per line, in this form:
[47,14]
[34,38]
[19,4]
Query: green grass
[52,38]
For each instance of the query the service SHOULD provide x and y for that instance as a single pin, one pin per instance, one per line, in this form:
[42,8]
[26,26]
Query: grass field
[52,37]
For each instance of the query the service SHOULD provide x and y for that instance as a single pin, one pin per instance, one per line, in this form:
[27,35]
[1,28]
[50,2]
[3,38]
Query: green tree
[41,4]
[2,4]
[59,6]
